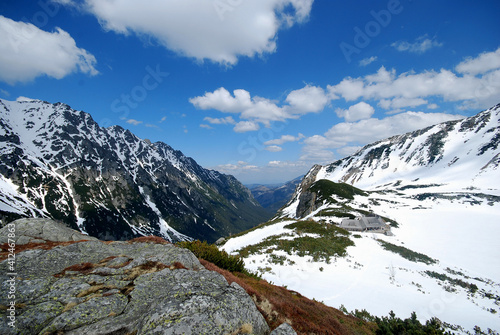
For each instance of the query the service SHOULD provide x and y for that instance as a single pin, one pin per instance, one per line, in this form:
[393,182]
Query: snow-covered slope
[109,183]
[461,154]
[439,188]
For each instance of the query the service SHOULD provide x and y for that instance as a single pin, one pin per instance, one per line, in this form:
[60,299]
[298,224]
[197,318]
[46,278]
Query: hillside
[437,189]
[57,162]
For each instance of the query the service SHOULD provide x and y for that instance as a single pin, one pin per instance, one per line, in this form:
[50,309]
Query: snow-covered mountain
[439,190]
[455,156]
[107,182]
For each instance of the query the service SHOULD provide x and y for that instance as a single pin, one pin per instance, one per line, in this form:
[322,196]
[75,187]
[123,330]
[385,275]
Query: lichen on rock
[95,287]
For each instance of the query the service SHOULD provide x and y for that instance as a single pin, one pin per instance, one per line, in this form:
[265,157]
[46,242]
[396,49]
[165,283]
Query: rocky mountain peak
[57,162]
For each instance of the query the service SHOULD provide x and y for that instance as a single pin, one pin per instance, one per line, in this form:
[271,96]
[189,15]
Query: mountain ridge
[444,155]
[109,183]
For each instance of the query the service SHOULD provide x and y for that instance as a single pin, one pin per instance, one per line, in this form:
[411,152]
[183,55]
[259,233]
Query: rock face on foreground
[95,287]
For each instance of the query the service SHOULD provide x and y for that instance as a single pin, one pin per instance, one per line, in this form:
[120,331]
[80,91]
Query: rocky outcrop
[95,287]
[40,230]
[307,199]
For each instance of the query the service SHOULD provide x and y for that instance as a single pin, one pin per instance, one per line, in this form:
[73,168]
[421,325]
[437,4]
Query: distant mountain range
[57,162]
[274,196]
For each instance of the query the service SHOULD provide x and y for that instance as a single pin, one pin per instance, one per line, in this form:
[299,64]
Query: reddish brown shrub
[4,248]
[278,305]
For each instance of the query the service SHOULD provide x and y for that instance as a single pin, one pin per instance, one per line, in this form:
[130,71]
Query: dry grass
[149,239]
[95,288]
[4,248]
[245,328]
[177,265]
[278,305]
[83,268]
[148,267]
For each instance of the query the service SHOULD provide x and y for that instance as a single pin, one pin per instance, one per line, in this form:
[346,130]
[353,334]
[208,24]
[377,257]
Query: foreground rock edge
[90,287]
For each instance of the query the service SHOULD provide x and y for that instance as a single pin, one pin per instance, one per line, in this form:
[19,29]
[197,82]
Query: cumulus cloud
[257,110]
[349,135]
[220,31]
[421,45]
[398,103]
[274,145]
[310,99]
[244,126]
[410,89]
[27,52]
[359,111]
[483,63]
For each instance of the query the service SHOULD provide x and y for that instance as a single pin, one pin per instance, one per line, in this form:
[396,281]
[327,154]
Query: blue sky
[261,89]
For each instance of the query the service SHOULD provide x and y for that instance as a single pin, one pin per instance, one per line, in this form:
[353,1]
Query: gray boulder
[284,329]
[95,287]
[41,230]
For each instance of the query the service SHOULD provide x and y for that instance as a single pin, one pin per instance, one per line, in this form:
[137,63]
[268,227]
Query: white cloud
[27,52]
[401,102]
[244,126]
[272,172]
[257,110]
[273,148]
[359,111]
[24,99]
[284,139]
[225,120]
[345,136]
[367,61]
[230,168]
[206,126]
[134,122]
[310,99]
[317,155]
[347,151]
[217,30]
[485,62]
[480,91]
[421,45]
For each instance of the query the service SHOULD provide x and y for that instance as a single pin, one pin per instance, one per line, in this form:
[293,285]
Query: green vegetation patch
[330,241]
[211,253]
[407,253]
[443,277]
[326,188]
